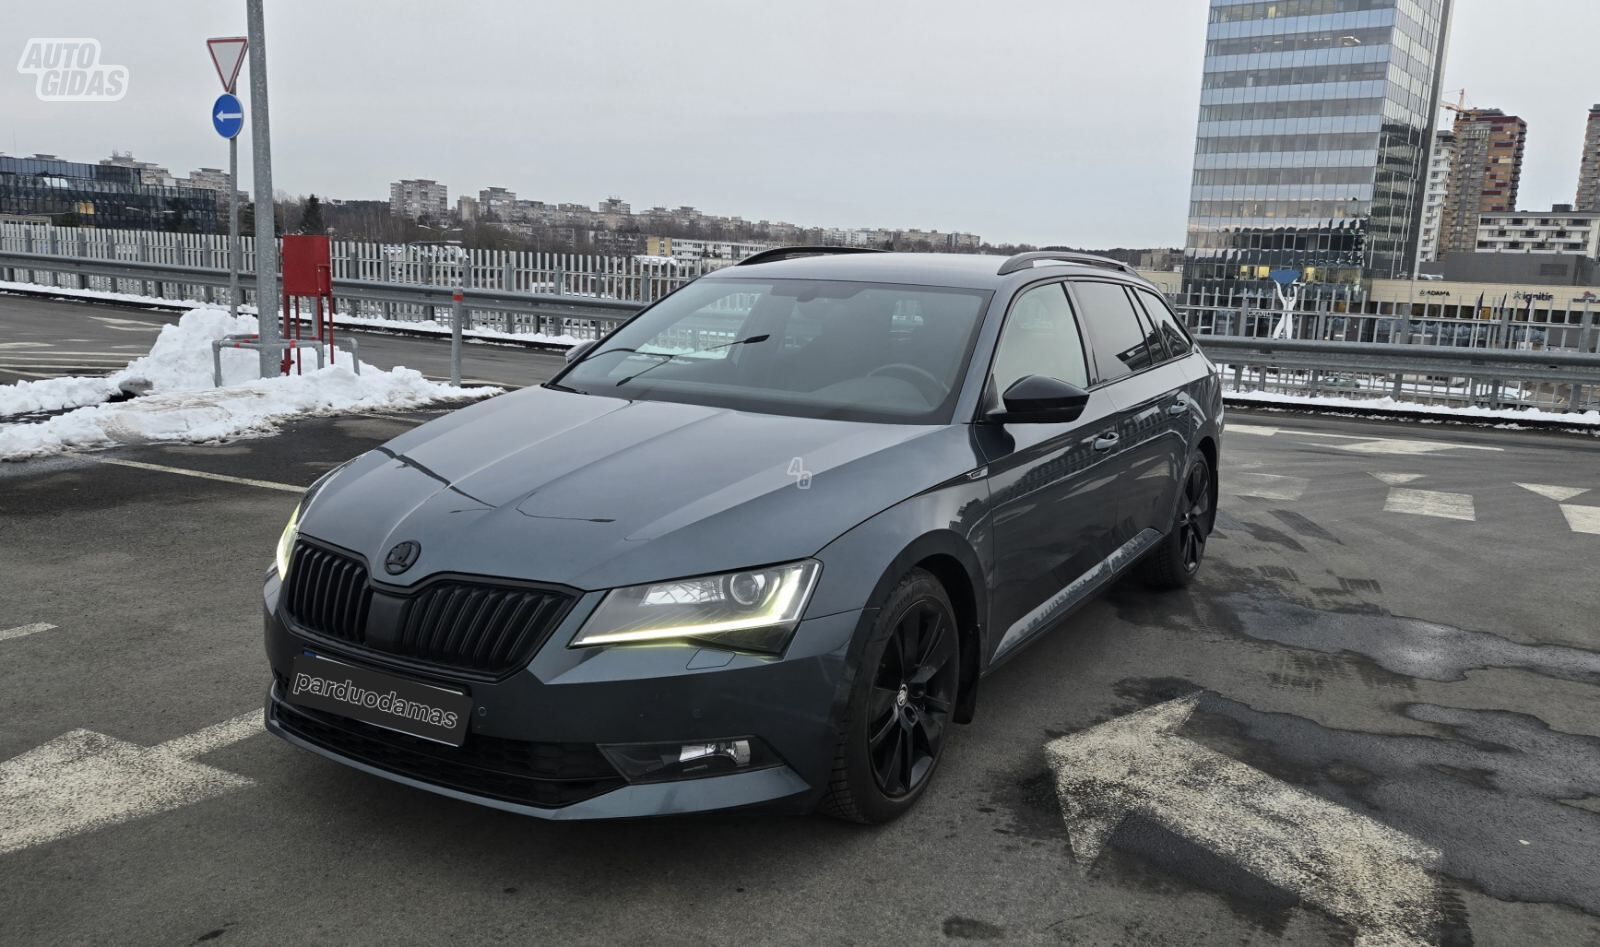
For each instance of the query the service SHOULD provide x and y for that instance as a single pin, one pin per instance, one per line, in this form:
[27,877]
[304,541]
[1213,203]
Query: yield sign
[227,54]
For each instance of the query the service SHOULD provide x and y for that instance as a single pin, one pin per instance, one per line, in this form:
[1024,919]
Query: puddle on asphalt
[1492,791]
[1405,646]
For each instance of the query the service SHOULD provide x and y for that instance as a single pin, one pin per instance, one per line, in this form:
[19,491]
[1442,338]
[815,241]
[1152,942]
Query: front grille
[327,593]
[480,628]
[546,775]
[477,627]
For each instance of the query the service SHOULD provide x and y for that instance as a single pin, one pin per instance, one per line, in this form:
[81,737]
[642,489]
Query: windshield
[813,348]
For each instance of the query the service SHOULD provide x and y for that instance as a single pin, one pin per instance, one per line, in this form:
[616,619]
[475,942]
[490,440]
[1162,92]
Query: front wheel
[1176,560]
[900,705]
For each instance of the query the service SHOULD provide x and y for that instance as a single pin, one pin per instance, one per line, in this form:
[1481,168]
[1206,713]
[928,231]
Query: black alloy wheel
[913,693]
[902,700]
[1194,516]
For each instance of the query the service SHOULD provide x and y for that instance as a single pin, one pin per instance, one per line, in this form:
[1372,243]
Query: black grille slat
[474,626]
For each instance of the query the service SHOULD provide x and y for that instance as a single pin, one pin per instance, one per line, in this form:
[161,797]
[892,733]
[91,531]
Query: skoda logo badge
[402,557]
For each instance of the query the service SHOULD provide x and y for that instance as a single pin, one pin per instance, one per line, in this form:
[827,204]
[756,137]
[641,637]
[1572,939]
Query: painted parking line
[22,631]
[1582,519]
[82,781]
[201,474]
[1447,506]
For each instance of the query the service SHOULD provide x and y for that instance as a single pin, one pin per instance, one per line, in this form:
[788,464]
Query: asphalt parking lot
[1393,651]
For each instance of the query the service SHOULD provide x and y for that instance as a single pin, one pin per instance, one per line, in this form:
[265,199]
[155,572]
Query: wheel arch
[951,559]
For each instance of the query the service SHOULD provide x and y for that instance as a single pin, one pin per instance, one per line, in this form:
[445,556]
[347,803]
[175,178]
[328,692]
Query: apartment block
[417,198]
[1589,171]
[1485,173]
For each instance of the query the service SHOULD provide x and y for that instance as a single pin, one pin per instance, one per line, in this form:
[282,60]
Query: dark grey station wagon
[761,546]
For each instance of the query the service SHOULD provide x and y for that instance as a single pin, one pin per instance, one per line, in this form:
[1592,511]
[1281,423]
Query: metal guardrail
[580,316]
[1494,377]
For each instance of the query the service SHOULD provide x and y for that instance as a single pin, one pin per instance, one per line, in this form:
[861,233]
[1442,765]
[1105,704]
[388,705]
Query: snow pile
[1442,412]
[180,360]
[183,405]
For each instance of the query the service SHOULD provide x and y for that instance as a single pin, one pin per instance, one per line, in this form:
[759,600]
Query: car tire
[901,704]
[1176,560]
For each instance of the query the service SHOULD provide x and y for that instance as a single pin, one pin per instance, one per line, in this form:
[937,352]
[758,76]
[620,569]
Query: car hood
[595,492]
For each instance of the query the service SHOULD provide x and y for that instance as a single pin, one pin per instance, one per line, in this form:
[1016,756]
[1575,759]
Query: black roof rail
[789,253]
[1023,261]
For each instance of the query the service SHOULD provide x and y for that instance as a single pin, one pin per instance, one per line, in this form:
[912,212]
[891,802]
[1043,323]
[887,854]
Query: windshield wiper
[667,357]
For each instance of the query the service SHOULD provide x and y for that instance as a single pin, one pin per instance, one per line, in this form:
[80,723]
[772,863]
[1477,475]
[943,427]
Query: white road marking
[1396,479]
[1351,866]
[24,345]
[1395,446]
[18,371]
[1265,486]
[1582,519]
[1448,506]
[110,321]
[1558,494]
[82,781]
[23,631]
[203,475]
[1257,429]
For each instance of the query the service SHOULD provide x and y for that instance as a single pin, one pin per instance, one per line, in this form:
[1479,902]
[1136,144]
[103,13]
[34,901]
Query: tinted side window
[1152,337]
[1040,338]
[1178,344]
[1114,329]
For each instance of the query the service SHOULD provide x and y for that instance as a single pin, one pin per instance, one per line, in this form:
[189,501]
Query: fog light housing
[696,759]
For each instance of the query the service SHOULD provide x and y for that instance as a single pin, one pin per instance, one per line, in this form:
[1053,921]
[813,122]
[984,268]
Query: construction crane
[1460,107]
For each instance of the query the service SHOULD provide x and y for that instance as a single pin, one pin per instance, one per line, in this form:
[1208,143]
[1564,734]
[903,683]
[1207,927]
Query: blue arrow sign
[227,116]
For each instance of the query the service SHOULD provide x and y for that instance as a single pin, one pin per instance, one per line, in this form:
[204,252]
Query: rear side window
[1114,328]
[1178,344]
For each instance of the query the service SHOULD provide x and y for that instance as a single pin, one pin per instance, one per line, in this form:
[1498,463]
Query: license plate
[382,700]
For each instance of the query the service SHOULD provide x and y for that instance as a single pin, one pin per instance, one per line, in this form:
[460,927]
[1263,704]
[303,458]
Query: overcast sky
[1045,121]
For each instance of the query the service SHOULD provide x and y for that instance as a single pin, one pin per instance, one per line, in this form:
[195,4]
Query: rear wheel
[1176,560]
[900,705]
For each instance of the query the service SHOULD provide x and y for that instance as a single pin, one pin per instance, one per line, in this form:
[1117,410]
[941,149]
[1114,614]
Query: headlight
[291,531]
[749,610]
[286,542]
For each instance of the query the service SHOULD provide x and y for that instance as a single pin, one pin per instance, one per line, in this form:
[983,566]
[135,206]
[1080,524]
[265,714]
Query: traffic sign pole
[233,226]
[227,55]
[261,160]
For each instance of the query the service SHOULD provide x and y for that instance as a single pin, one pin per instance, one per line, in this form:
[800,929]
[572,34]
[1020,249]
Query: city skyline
[614,109]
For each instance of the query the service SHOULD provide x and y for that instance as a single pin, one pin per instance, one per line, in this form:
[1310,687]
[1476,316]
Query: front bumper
[531,746]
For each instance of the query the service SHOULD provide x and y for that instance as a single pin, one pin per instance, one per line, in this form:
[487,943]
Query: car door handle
[1106,441]
[1178,408]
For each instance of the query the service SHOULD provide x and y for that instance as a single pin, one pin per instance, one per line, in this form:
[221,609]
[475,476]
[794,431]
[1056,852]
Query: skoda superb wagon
[760,547]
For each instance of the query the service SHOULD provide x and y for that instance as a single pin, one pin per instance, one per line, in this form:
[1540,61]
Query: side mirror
[579,351]
[1040,399]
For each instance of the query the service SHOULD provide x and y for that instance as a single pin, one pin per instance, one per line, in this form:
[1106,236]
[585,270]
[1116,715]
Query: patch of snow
[183,405]
[1443,412]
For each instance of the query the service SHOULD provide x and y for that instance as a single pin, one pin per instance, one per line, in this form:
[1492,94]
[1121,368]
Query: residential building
[498,203]
[466,209]
[1314,129]
[713,252]
[418,198]
[1485,173]
[105,195]
[1436,192]
[1562,229]
[1589,170]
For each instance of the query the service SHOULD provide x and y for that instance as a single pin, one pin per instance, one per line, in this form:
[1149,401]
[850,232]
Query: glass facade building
[107,196]
[1312,152]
